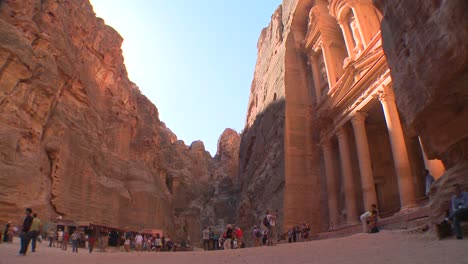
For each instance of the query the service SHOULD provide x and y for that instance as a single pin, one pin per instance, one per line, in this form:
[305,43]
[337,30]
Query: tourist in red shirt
[240,236]
[65,240]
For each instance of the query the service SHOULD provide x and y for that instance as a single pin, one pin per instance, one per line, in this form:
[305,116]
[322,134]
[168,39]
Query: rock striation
[78,139]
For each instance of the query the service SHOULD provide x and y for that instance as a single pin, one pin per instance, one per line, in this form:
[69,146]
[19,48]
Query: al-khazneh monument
[332,127]
[349,103]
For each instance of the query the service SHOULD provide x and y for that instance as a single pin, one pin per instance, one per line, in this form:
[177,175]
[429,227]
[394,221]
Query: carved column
[316,74]
[327,56]
[365,164]
[399,151]
[367,20]
[348,37]
[332,189]
[347,172]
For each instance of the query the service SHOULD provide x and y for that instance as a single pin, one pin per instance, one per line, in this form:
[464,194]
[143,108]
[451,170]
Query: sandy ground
[384,247]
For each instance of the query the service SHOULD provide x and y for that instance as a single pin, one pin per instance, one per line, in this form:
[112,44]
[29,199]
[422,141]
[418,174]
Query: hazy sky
[193,59]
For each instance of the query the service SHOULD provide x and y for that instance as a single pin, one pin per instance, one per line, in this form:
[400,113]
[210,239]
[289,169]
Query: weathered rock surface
[426,47]
[78,139]
[279,163]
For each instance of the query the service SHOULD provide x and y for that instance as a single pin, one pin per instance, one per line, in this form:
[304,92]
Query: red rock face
[78,139]
[425,45]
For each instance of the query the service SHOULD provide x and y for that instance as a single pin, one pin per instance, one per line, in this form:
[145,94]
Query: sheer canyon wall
[426,47]
[78,139]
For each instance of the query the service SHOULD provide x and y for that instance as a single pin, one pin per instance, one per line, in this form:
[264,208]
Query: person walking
[35,231]
[74,238]
[25,236]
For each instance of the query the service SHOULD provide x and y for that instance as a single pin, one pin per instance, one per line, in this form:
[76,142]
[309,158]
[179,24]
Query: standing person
[25,232]
[211,235]
[368,215]
[74,238]
[257,236]
[5,234]
[169,243]
[127,244]
[66,238]
[206,238]
[459,210]
[158,243]
[240,237]
[265,236]
[228,237]
[86,238]
[138,242]
[35,231]
[59,238]
[91,242]
[429,180]
[294,234]
[272,239]
[51,236]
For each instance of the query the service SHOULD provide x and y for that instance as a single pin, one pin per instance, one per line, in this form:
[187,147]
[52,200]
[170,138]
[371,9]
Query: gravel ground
[384,247]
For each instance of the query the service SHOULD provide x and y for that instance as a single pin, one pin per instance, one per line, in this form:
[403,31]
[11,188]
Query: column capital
[359,117]
[386,94]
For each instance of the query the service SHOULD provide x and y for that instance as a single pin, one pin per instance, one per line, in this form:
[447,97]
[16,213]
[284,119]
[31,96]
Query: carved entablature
[359,22]
[325,48]
[322,29]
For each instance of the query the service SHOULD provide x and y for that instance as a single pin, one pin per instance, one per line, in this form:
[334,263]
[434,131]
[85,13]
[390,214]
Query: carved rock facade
[332,129]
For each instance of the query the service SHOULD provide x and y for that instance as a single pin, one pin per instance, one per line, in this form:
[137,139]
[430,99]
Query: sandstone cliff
[279,163]
[426,47]
[78,139]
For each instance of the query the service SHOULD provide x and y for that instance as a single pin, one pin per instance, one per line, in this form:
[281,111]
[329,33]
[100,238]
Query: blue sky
[193,59]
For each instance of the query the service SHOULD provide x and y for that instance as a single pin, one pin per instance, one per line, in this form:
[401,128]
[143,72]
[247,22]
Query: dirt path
[384,247]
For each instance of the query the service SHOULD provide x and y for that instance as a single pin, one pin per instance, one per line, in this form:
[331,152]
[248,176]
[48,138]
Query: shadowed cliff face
[261,167]
[78,139]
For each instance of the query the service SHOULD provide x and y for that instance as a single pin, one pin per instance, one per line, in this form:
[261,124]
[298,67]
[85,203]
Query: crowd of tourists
[299,233]
[230,238]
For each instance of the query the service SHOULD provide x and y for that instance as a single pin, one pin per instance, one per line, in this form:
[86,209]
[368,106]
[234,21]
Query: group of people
[266,232]
[230,238]
[61,239]
[29,232]
[299,233]
[155,243]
